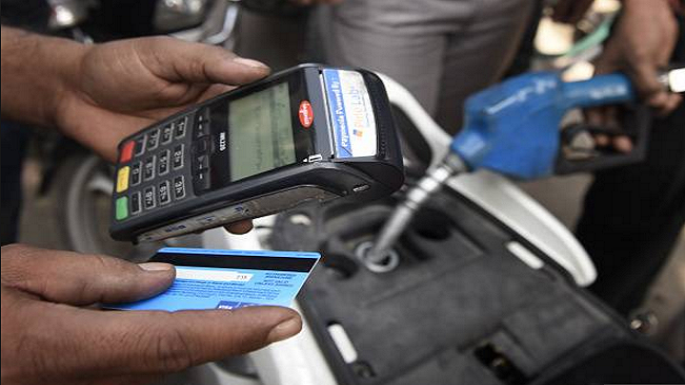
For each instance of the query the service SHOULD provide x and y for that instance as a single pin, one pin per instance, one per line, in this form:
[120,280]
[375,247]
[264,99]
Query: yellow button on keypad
[122,179]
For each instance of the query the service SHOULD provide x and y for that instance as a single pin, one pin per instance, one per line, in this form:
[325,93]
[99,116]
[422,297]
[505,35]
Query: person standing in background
[441,50]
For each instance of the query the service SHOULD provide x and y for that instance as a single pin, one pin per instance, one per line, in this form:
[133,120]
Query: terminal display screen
[260,132]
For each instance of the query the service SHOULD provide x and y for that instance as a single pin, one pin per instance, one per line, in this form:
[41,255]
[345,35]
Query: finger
[101,130]
[242,227]
[611,121]
[645,77]
[81,279]
[601,140]
[667,104]
[214,91]
[623,144]
[658,101]
[206,93]
[153,342]
[595,116]
[604,117]
[674,102]
[180,61]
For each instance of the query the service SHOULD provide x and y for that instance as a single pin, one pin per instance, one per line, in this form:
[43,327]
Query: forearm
[36,73]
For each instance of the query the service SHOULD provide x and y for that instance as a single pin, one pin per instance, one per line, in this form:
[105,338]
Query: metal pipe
[416,197]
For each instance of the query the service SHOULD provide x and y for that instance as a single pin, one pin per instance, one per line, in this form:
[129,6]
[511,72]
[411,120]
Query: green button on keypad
[122,208]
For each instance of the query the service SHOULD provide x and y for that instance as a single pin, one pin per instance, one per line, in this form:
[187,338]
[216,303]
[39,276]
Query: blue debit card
[228,279]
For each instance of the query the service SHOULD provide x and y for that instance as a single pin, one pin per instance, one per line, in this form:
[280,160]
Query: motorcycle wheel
[84,184]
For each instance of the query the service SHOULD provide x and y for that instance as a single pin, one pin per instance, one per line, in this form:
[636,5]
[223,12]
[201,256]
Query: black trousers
[633,215]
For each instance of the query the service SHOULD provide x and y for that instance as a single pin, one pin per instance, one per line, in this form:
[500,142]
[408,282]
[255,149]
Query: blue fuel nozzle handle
[600,90]
[513,127]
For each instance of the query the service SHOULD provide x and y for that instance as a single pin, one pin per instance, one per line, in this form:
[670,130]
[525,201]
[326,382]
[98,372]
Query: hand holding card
[229,279]
[50,329]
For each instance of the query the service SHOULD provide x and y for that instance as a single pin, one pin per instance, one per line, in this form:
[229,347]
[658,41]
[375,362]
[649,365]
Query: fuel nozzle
[380,256]
[512,128]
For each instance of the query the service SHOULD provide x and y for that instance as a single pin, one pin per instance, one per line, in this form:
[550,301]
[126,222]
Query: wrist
[65,62]
[38,72]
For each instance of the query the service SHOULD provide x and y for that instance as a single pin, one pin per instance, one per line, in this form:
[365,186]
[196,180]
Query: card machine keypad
[152,170]
[159,156]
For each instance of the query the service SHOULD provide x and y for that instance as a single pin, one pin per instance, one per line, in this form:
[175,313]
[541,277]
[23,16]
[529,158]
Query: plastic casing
[383,173]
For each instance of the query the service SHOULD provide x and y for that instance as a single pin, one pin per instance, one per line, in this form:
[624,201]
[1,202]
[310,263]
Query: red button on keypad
[127,151]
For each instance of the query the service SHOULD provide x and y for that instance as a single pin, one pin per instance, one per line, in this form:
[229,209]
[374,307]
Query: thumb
[653,93]
[81,279]
[155,342]
[646,79]
[180,61]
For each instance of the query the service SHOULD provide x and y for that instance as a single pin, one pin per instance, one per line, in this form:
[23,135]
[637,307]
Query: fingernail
[250,63]
[285,329]
[155,266]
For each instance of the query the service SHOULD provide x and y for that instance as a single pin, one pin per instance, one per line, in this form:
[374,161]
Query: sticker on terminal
[351,114]
[306,114]
[228,279]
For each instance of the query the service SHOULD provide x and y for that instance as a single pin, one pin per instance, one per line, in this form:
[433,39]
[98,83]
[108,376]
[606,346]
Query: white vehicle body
[299,360]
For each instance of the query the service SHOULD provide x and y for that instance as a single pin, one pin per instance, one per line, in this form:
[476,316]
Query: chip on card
[228,279]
